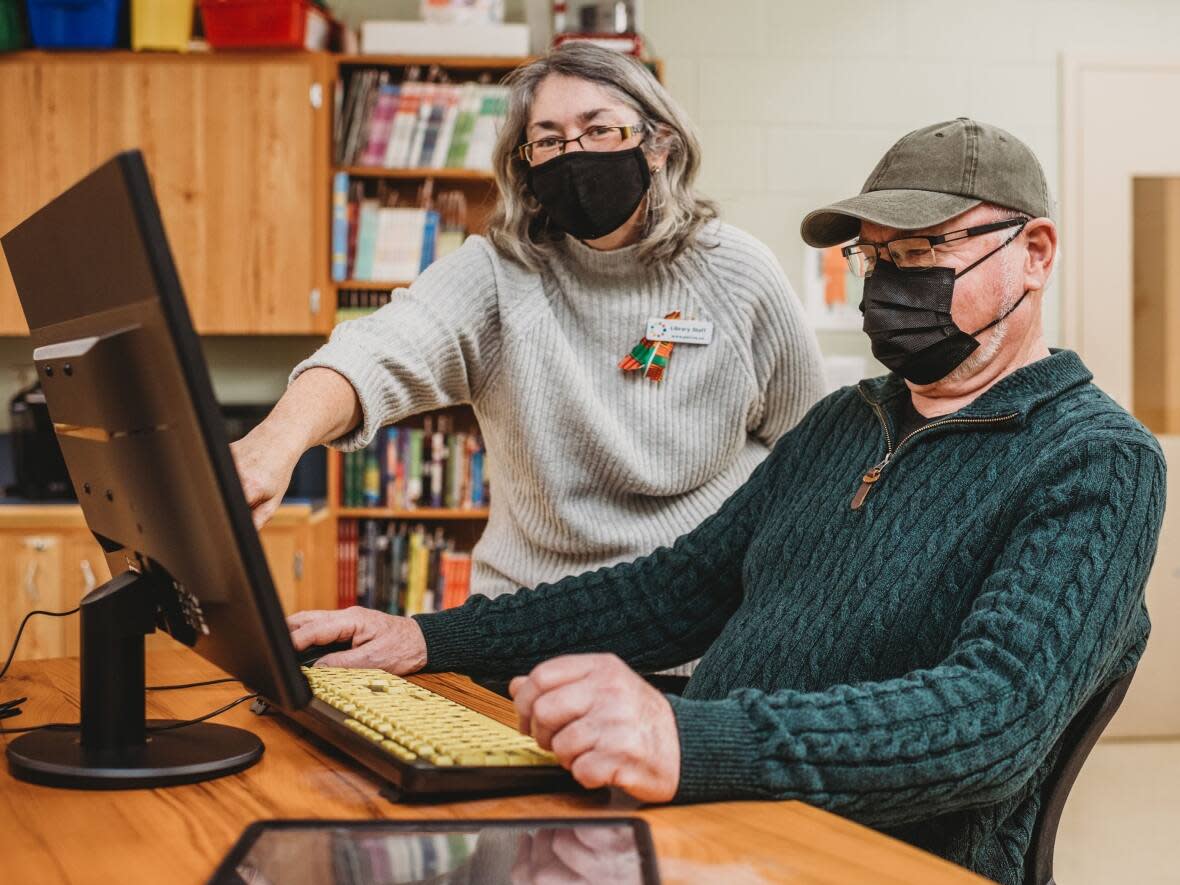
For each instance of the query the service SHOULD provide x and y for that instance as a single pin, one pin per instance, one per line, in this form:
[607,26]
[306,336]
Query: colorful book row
[371,241]
[407,468]
[419,125]
[393,568]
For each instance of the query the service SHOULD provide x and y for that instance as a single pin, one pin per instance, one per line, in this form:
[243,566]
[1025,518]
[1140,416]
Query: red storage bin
[265,24]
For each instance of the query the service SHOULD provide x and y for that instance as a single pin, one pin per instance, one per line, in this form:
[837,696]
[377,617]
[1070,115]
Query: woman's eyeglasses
[596,138]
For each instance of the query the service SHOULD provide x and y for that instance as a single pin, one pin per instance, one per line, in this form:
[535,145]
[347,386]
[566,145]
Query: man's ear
[1041,251]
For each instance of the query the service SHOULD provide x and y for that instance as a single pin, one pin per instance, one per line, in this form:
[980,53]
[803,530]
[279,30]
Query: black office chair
[1079,739]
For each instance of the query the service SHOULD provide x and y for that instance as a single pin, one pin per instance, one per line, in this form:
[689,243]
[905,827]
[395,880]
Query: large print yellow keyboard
[412,723]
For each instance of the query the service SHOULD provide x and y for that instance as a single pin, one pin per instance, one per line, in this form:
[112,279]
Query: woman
[597,230]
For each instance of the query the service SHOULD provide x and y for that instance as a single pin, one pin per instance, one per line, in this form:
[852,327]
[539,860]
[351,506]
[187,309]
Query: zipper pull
[866,482]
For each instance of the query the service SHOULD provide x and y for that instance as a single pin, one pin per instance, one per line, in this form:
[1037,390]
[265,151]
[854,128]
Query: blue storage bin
[74,24]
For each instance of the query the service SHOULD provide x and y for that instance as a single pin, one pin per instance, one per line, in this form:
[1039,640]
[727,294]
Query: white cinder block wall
[796,100]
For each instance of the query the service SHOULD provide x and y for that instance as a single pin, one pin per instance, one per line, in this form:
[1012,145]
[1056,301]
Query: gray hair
[519,227]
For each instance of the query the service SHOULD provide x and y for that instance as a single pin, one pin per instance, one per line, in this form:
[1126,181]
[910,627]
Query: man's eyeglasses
[914,253]
[596,138]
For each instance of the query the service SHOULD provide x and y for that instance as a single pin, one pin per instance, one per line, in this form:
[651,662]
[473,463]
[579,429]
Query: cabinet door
[286,561]
[237,151]
[31,575]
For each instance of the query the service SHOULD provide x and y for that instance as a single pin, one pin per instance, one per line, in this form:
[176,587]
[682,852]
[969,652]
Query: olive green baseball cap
[934,174]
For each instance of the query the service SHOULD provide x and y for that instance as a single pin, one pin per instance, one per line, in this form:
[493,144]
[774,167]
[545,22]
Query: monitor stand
[118,748]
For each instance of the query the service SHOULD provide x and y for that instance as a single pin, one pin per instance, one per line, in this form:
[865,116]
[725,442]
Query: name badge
[680,331]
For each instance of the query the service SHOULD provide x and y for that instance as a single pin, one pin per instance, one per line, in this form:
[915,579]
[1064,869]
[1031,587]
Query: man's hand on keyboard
[603,722]
[378,640]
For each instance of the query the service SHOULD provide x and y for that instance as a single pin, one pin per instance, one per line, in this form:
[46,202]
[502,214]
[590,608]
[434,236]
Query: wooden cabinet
[300,549]
[49,560]
[237,147]
[31,571]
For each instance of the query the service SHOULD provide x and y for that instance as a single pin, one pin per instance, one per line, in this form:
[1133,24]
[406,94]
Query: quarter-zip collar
[1024,390]
[1005,404]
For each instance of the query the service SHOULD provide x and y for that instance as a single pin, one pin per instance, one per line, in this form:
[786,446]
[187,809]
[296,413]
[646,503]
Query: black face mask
[588,194]
[908,319]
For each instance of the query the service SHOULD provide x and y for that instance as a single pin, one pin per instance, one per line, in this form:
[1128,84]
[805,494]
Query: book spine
[425,109]
[429,239]
[392,450]
[358,478]
[371,487]
[350,586]
[366,247]
[340,226]
[356,196]
[341,563]
[455,464]
[446,130]
[414,470]
[362,565]
[477,497]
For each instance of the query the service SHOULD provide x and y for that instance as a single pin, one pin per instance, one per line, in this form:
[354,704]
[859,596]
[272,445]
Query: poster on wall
[831,291]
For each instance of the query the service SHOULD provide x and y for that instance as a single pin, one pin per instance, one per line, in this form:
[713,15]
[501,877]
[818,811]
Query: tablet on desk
[441,852]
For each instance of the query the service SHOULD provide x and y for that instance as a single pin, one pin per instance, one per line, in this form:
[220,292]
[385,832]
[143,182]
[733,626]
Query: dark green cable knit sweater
[910,664]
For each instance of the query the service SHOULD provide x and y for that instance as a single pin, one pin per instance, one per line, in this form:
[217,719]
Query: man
[907,603]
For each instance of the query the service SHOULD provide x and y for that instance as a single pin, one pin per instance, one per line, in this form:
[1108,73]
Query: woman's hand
[380,641]
[319,406]
[604,723]
[264,467]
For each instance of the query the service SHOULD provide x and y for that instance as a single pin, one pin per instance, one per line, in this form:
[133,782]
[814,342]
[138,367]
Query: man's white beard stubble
[987,351]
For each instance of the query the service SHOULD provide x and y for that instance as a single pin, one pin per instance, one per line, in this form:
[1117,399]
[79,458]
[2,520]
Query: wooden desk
[179,834]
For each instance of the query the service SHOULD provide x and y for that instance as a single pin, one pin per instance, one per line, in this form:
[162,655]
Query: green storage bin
[12,25]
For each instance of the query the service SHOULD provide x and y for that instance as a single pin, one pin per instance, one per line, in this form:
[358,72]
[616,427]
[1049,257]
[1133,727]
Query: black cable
[74,726]
[190,684]
[49,726]
[21,629]
[217,712]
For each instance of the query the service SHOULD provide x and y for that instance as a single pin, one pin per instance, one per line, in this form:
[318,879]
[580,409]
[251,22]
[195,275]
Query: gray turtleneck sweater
[591,465]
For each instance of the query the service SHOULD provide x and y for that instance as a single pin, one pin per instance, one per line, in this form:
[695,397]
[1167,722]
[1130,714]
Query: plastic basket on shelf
[265,24]
[161,24]
[74,24]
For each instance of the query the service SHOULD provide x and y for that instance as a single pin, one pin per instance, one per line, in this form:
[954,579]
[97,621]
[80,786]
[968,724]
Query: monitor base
[198,752]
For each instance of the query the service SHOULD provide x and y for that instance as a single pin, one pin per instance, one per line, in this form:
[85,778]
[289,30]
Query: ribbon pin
[650,356]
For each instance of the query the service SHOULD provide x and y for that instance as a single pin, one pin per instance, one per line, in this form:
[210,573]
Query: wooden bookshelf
[443,174]
[479,185]
[452,62]
[417,514]
[464,525]
[375,285]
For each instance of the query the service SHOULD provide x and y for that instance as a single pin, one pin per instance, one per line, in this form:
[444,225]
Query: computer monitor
[132,404]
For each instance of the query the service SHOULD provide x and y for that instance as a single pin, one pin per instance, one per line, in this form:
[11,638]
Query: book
[381,126]
[469,103]
[399,244]
[404,122]
[430,223]
[424,156]
[371,482]
[484,129]
[425,107]
[416,124]
[446,128]
[339,226]
[366,247]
